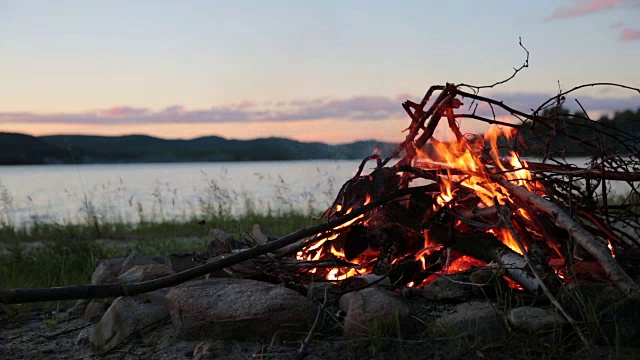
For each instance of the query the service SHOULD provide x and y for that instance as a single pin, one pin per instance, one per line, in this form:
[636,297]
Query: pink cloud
[121,111]
[352,109]
[583,7]
[616,25]
[630,34]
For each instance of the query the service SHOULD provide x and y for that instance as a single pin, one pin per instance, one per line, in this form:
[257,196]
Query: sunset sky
[333,71]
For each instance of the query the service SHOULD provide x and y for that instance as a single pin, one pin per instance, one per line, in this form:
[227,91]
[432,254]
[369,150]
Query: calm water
[167,191]
[67,193]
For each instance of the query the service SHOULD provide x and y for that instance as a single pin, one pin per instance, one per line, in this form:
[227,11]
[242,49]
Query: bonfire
[469,203]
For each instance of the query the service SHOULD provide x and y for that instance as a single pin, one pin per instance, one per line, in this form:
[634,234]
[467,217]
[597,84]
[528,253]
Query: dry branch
[595,247]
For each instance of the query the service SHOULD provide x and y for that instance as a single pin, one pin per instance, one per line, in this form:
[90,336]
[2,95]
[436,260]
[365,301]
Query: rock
[596,303]
[444,290]
[534,319]
[79,307]
[475,319]
[158,258]
[375,309]
[261,234]
[82,339]
[127,315]
[202,352]
[107,271]
[179,262]
[135,259]
[488,284]
[140,273]
[227,308]
[221,242]
[94,311]
[205,350]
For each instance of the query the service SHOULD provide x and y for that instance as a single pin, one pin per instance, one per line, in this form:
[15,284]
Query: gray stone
[375,309]
[474,319]
[157,258]
[126,316]
[206,350]
[107,271]
[179,262]
[82,339]
[444,290]
[140,273]
[227,308]
[94,311]
[79,307]
[261,234]
[135,259]
[221,242]
[534,319]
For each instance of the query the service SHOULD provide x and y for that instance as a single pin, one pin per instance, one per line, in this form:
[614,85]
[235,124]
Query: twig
[515,71]
[305,344]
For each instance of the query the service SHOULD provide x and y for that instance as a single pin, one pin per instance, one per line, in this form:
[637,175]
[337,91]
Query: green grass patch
[45,255]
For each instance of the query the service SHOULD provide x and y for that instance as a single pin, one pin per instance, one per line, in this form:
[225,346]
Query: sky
[331,71]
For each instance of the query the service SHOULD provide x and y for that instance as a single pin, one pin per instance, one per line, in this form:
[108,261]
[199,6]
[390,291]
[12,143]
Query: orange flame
[462,164]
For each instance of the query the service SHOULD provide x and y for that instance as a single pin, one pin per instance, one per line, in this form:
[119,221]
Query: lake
[127,192]
[67,193]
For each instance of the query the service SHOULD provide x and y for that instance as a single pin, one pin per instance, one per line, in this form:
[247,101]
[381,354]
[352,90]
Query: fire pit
[471,201]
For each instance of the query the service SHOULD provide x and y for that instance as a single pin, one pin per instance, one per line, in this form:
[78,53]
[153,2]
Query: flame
[461,163]
[524,214]
[611,248]
[463,263]
[506,237]
[336,252]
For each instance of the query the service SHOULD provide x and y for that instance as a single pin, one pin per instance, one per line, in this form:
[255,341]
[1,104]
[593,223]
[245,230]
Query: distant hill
[16,149]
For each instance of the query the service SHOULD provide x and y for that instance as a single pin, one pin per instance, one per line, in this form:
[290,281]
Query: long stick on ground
[17,296]
[596,248]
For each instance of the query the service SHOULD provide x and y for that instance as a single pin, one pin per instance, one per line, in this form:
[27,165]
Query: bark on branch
[596,248]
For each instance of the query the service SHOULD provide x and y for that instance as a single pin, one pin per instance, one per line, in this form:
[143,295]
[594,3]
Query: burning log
[486,247]
[595,247]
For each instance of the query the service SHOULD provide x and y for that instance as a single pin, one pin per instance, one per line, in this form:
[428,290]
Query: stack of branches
[565,206]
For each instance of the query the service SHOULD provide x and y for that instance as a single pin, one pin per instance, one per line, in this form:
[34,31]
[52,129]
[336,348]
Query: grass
[62,255]
[111,222]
